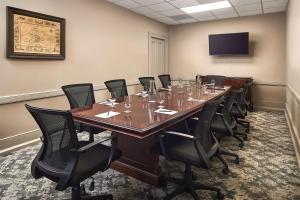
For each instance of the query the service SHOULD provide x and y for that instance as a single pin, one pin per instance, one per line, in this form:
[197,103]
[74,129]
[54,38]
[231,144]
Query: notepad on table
[166,111]
[107,103]
[107,114]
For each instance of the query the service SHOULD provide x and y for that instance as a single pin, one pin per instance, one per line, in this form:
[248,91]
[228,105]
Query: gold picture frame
[34,35]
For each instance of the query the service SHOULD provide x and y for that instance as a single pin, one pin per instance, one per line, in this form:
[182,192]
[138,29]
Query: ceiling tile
[248,7]
[167,20]
[148,2]
[274,9]
[184,21]
[248,13]
[128,4]
[143,10]
[161,6]
[164,10]
[271,4]
[201,14]
[244,2]
[173,12]
[227,16]
[207,1]
[224,11]
[184,3]
[154,15]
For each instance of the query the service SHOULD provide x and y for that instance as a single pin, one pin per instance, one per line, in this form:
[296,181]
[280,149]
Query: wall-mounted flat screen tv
[229,44]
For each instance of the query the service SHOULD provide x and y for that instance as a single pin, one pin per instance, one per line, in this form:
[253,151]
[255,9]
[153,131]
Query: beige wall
[188,54]
[293,72]
[103,42]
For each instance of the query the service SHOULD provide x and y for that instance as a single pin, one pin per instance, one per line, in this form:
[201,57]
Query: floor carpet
[268,170]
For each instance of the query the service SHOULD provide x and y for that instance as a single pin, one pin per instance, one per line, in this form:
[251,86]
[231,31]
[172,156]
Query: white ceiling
[169,12]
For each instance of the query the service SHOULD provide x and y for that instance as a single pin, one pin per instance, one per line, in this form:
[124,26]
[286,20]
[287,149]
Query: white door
[157,58]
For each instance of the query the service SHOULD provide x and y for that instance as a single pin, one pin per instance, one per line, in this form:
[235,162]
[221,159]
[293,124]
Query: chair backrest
[229,100]
[118,86]
[165,80]
[219,80]
[246,86]
[202,129]
[79,95]
[145,81]
[55,158]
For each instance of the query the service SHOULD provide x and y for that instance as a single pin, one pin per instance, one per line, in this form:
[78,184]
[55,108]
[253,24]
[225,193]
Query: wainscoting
[269,95]
[293,117]
[18,129]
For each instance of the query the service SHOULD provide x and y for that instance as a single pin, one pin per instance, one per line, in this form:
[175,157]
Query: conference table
[139,130]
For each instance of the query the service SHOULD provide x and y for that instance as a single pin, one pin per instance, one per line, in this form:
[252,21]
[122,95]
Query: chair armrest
[91,145]
[179,134]
[220,114]
[194,118]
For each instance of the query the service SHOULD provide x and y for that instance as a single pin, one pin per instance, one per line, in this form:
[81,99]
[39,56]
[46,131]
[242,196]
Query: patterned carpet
[268,170]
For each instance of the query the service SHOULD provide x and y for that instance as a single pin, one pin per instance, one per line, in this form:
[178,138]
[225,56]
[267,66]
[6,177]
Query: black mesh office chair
[65,160]
[223,123]
[81,95]
[246,88]
[219,80]
[195,150]
[239,112]
[145,81]
[214,142]
[117,86]
[165,80]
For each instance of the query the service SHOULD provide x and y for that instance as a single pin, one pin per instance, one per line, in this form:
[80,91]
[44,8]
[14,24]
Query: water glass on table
[189,93]
[127,104]
[160,99]
[113,99]
[213,83]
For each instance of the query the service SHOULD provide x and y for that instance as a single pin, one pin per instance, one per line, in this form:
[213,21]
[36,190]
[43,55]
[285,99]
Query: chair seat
[236,113]
[218,125]
[92,161]
[180,149]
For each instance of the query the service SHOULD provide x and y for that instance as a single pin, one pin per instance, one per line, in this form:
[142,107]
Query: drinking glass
[160,99]
[127,104]
[189,93]
[112,100]
[213,83]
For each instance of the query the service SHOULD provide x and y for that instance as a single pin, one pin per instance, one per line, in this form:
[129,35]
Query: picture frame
[32,35]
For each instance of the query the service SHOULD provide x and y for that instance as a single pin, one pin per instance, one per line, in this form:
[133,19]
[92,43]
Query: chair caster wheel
[241,145]
[225,170]
[220,196]
[237,160]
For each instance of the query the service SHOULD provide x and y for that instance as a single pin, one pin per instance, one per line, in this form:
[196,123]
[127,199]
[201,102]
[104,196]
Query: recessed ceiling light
[207,7]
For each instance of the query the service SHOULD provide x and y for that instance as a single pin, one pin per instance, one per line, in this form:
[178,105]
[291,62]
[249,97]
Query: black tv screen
[229,44]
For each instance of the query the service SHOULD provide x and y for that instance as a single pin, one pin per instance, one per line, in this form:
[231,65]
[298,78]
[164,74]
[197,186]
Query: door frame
[162,37]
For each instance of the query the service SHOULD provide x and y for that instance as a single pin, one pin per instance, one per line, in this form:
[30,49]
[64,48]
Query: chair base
[244,123]
[227,153]
[78,194]
[187,185]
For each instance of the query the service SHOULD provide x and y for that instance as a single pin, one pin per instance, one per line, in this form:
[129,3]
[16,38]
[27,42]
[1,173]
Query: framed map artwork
[34,35]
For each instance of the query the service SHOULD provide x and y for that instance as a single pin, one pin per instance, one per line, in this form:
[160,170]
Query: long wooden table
[139,130]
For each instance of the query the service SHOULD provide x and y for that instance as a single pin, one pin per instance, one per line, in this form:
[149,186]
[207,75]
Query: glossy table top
[142,121]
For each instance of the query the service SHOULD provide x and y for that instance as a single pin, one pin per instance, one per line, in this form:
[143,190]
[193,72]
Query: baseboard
[269,105]
[268,108]
[294,134]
